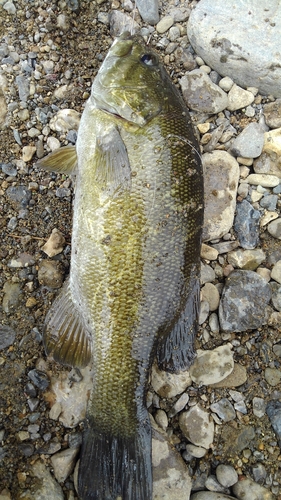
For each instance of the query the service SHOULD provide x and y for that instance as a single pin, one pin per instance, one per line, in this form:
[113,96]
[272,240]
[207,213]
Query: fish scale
[133,290]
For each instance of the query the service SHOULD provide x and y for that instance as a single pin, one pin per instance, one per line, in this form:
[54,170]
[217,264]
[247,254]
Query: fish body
[133,289]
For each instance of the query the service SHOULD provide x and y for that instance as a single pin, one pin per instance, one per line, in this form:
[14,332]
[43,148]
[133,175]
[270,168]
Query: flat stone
[208,252]
[263,180]
[164,24]
[50,273]
[272,376]
[249,143]
[272,147]
[47,487]
[246,224]
[63,463]
[197,426]
[227,37]
[149,10]
[210,293]
[171,479]
[65,120]
[224,409]
[212,366]
[7,336]
[272,113]
[273,410]
[244,302]
[221,175]
[201,94]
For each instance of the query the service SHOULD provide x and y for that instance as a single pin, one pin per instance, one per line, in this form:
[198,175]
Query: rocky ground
[224,416]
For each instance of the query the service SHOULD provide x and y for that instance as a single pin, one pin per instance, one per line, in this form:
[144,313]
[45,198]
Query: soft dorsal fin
[65,337]
[63,160]
[113,172]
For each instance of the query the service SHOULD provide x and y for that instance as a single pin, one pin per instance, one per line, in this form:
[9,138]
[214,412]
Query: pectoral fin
[113,172]
[65,337]
[175,352]
[63,160]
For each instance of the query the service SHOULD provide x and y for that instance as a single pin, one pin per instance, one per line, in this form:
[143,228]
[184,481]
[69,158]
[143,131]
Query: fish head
[130,82]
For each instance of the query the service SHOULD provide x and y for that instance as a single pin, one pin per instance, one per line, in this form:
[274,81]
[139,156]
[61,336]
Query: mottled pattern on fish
[134,281]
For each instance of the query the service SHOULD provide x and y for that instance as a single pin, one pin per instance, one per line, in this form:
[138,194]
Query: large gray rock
[244,302]
[241,40]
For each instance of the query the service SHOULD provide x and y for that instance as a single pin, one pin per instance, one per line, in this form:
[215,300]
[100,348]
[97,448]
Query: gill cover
[129,83]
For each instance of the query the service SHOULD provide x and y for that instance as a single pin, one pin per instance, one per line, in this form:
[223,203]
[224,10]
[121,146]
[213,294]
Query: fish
[133,288]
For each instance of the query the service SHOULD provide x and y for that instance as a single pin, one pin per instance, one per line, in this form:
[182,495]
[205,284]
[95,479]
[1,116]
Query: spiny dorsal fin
[63,160]
[65,337]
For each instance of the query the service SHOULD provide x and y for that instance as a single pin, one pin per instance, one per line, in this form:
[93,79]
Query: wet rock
[50,273]
[221,174]
[63,463]
[246,489]
[171,480]
[39,379]
[197,426]
[273,410]
[149,10]
[201,94]
[226,475]
[11,298]
[7,336]
[213,366]
[246,224]
[246,259]
[168,385]
[238,50]
[224,409]
[249,143]
[244,302]
[55,243]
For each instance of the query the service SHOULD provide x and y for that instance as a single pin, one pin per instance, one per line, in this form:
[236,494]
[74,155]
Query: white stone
[208,252]
[226,83]
[212,366]
[209,292]
[164,24]
[263,180]
[276,272]
[239,98]
[65,120]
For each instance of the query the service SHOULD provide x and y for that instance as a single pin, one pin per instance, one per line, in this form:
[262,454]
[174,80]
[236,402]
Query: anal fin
[65,337]
[175,352]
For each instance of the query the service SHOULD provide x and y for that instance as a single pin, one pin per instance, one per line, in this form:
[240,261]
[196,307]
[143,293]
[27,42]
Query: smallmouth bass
[133,289]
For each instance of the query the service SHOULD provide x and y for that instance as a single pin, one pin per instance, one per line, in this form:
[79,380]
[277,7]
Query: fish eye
[148,59]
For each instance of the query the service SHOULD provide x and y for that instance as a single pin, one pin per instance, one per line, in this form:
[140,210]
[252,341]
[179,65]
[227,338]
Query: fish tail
[115,467]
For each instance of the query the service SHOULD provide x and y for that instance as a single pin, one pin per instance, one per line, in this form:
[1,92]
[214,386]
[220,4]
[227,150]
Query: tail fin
[114,467]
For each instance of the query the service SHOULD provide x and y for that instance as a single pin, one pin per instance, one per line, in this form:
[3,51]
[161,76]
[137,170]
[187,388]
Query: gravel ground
[49,56]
